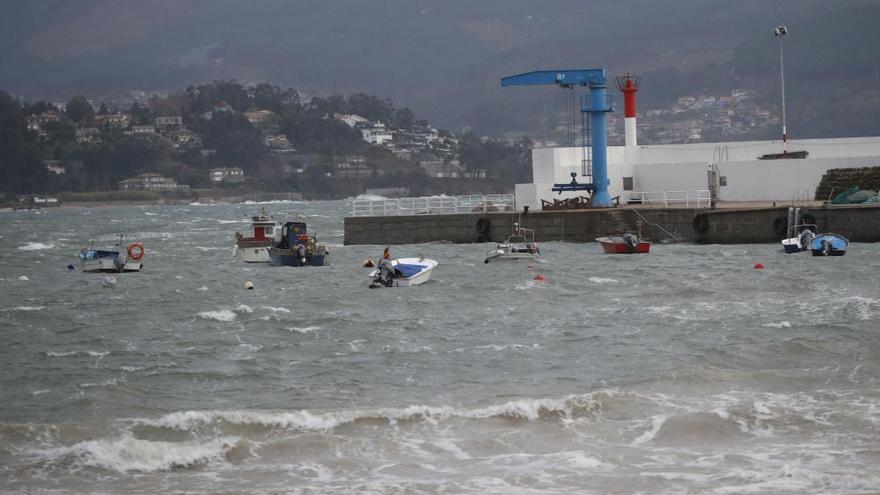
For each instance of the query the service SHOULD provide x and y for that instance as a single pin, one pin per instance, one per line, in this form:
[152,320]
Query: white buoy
[109,281]
[249,285]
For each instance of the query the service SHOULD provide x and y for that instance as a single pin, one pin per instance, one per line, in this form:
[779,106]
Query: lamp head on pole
[780,31]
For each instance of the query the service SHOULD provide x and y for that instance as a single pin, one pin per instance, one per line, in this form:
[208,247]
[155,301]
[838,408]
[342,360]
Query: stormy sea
[685,370]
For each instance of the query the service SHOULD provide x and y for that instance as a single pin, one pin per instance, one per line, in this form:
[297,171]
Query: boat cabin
[263,227]
[293,233]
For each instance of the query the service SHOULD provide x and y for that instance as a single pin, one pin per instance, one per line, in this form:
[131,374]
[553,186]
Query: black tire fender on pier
[701,223]
[482,225]
[780,226]
[808,218]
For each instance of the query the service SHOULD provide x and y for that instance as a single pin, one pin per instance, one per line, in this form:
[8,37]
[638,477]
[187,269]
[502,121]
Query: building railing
[433,205]
[699,198]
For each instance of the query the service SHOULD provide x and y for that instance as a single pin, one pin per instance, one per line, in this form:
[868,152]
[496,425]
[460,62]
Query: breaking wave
[226,314]
[127,453]
[571,407]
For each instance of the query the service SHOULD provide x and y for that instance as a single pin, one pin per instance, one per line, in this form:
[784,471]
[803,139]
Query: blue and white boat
[297,247]
[800,242]
[829,245]
[401,272]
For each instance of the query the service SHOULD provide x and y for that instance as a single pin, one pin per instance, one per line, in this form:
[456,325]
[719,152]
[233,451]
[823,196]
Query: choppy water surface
[685,370]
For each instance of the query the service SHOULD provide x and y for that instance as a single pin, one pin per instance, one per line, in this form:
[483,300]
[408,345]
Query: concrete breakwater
[720,226]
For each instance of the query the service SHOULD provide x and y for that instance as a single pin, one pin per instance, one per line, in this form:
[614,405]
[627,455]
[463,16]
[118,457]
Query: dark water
[682,371]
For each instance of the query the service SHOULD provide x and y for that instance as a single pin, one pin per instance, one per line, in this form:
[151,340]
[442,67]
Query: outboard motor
[806,238]
[301,253]
[384,276]
[631,241]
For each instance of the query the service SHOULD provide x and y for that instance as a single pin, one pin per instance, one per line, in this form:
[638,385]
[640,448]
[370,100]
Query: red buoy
[759,266]
[539,277]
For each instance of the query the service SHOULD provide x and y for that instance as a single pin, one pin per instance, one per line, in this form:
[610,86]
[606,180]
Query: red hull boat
[624,244]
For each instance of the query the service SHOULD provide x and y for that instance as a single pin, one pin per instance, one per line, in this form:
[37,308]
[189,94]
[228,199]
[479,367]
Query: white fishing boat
[519,245]
[401,272]
[116,260]
[802,241]
[255,248]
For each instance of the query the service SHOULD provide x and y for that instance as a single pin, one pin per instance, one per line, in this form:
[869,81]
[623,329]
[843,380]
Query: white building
[378,135]
[226,174]
[174,122]
[639,173]
[676,169]
[351,120]
[151,182]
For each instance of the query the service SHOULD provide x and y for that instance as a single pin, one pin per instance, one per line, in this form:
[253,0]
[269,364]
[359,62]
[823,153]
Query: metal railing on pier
[699,198]
[433,205]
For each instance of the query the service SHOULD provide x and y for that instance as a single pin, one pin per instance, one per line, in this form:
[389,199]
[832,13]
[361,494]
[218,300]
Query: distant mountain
[444,58]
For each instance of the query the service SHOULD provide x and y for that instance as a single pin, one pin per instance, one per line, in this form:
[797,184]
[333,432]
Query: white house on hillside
[226,174]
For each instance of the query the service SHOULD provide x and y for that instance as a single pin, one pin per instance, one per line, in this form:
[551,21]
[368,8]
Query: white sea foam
[203,288]
[651,433]
[525,409]
[303,329]
[277,310]
[61,354]
[36,246]
[370,197]
[222,315]
[28,308]
[127,453]
[864,308]
[105,383]
[780,324]
[599,280]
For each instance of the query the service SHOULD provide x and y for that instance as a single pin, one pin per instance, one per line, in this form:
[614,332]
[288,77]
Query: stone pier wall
[763,225]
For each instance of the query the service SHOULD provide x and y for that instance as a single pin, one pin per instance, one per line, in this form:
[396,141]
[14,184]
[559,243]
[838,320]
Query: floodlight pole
[780,32]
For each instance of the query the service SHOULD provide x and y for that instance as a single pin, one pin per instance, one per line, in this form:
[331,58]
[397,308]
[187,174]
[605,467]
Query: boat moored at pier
[829,245]
[624,244]
[519,245]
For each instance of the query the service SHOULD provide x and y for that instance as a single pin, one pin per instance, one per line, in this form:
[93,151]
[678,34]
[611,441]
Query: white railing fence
[691,199]
[433,205]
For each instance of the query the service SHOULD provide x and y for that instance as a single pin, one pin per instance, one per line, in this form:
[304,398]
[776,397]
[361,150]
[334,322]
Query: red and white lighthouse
[629,86]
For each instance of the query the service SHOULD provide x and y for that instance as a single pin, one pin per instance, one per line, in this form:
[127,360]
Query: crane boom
[595,80]
[565,78]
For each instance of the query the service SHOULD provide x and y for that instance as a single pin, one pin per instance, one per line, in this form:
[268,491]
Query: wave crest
[566,409]
[127,453]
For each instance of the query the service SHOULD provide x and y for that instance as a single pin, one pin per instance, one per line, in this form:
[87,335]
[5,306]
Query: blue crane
[598,106]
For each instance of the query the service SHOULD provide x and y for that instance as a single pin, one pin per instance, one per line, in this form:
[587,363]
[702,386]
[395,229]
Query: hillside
[444,59]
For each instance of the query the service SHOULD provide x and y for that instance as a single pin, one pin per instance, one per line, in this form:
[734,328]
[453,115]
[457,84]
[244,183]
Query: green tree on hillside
[79,110]
[310,131]
[21,166]
[235,139]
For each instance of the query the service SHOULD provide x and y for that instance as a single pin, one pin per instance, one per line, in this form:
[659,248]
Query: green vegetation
[227,124]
